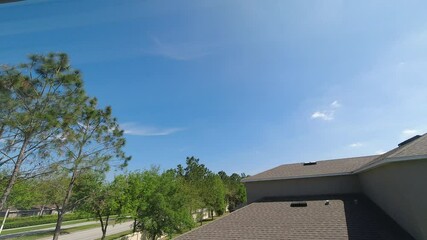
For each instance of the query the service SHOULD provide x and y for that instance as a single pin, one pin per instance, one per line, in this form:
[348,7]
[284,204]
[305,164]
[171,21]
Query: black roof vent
[309,163]
[299,204]
[409,140]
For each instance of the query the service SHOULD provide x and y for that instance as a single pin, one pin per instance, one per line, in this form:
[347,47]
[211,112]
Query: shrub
[36,220]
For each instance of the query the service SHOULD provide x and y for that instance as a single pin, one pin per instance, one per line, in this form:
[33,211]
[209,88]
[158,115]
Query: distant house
[373,197]
[35,211]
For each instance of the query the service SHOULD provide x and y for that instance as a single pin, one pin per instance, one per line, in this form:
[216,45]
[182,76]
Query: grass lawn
[117,235]
[42,226]
[50,233]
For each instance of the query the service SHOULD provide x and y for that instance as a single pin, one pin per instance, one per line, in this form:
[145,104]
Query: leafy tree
[133,191]
[194,175]
[213,193]
[194,172]
[163,208]
[205,188]
[52,188]
[101,199]
[38,100]
[91,144]
[235,190]
[25,194]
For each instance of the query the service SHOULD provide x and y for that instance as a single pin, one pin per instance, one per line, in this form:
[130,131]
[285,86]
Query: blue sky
[242,85]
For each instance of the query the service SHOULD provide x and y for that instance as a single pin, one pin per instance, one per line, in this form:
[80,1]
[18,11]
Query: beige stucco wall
[400,189]
[302,187]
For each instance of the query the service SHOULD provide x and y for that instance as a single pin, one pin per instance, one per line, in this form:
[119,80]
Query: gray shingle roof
[298,170]
[341,219]
[416,148]
[342,166]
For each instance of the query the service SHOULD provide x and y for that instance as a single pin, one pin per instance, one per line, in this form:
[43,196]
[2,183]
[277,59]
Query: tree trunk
[41,211]
[58,224]
[104,225]
[15,173]
[134,225]
[64,205]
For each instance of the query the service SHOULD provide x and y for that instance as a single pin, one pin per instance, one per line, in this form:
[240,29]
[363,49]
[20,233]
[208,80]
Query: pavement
[88,234]
[95,233]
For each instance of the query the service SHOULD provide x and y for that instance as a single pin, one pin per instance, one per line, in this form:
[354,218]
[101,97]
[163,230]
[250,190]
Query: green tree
[213,193]
[163,207]
[194,175]
[52,189]
[235,190]
[205,188]
[101,199]
[25,194]
[38,100]
[91,144]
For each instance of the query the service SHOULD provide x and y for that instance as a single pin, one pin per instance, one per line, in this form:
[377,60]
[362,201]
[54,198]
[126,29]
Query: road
[95,233]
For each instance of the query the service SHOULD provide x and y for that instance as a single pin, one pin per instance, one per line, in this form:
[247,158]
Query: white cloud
[138,130]
[335,104]
[410,132]
[327,116]
[380,152]
[355,145]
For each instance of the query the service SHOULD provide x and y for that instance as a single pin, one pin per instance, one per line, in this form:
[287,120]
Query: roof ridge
[385,155]
[325,160]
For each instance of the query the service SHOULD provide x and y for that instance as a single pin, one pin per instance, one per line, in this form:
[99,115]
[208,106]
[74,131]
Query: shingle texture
[416,148]
[336,166]
[341,219]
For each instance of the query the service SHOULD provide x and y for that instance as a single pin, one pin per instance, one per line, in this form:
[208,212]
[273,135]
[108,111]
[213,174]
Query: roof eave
[297,177]
[389,160]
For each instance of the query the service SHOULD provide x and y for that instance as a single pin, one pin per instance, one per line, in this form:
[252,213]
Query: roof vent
[309,163]
[409,140]
[299,204]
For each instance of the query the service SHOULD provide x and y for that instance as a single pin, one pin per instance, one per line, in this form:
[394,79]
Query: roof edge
[389,160]
[297,177]
[224,216]
[361,169]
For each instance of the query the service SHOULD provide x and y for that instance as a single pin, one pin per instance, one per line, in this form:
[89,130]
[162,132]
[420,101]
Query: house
[34,211]
[372,197]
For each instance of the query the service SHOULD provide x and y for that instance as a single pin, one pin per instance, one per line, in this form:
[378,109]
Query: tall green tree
[163,208]
[235,190]
[194,175]
[213,193]
[25,194]
[101,199]
[205,188]
[38,98]
[92,144]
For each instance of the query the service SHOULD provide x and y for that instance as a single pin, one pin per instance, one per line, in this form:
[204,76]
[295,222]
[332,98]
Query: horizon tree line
[57,141]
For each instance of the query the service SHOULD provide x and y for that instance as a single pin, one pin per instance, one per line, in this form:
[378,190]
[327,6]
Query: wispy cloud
[139,130]
[328,114]
[335,104]
[177,51]
[356,145]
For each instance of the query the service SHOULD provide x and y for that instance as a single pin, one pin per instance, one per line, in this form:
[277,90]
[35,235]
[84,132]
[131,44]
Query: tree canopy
[57,144]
